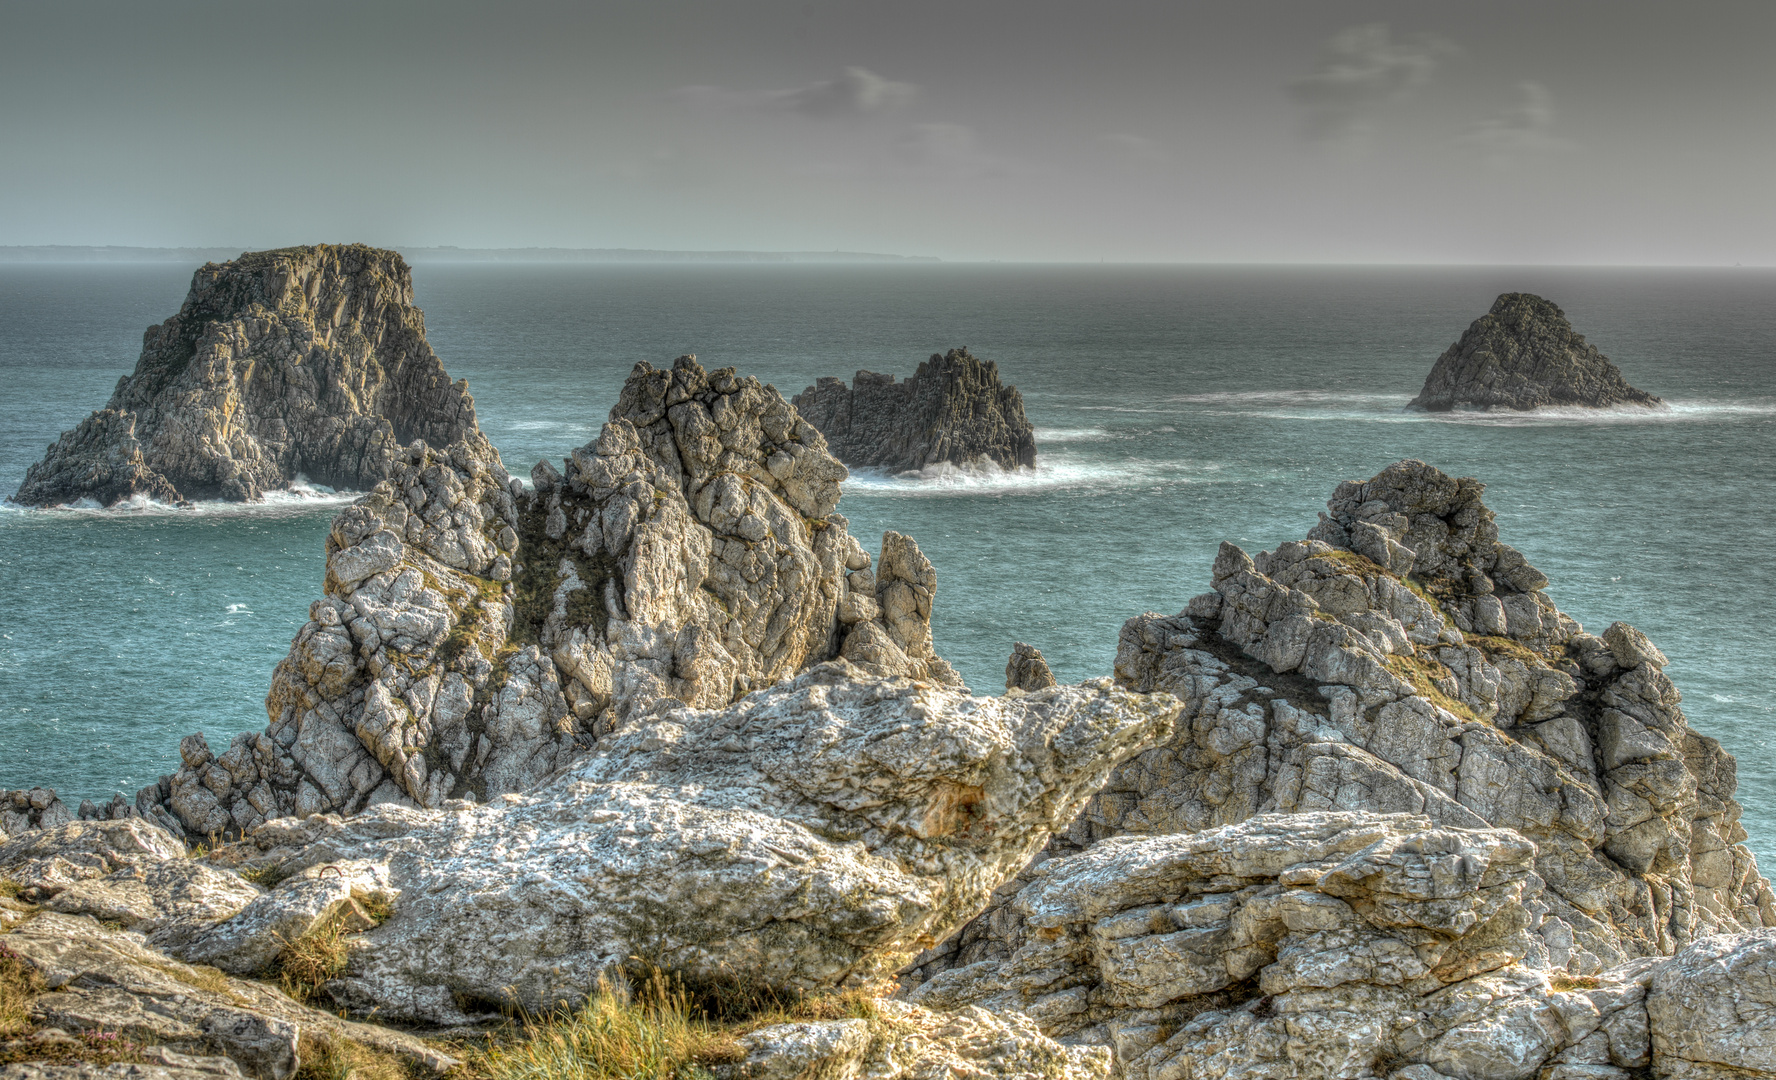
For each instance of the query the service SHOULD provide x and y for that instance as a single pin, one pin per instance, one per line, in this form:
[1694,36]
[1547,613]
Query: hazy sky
[1609,132]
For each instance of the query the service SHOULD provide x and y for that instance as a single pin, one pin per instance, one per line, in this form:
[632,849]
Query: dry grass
[654,1033]
[327,1056]
[1560,980]
[1421,673]
[19,983]
[322,954]
[10,889]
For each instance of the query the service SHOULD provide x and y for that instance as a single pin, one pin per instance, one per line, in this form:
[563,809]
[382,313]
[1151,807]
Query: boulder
[475,637]
[1712,1010]
[1027,670]
[1400,660]
[44,862]
[813,834]
[953,410]
[906,1042]
[1523,355]
[308,361]
[102,979]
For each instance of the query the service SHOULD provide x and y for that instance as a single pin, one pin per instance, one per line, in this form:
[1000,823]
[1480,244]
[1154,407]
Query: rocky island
[953,410]
[1523,354]
[305,361]
[1372,806]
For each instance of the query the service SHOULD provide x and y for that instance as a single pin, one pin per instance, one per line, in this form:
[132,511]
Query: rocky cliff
[475,636]
[1415,818]
[1523,354]
[308,360]
[953,410]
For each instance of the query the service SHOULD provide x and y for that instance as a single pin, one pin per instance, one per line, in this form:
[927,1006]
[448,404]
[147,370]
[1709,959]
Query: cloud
[1363,71]
[858,92]
[1525,128]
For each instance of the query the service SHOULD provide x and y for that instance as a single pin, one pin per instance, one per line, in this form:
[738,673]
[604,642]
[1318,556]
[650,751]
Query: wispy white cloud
[1363,71]
[1525,128]
[857,92]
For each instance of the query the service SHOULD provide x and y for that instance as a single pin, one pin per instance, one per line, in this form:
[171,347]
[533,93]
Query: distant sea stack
[1523,355]
[307,360]
[954,409]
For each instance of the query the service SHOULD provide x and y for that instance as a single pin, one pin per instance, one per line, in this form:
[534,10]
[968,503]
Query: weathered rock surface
[1027,670]
[813,833]
[1523,354]
[1713,1010]
[954,410]
[476,637]
[1348,944]
[40,808]
[1404,661]
[906,1042]
[308,360]
[43,862]
[100,979]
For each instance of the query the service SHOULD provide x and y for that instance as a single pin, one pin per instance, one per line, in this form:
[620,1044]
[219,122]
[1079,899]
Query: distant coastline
[70,253]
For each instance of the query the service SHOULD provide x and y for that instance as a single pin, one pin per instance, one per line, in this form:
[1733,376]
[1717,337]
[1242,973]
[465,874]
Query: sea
[1175,407]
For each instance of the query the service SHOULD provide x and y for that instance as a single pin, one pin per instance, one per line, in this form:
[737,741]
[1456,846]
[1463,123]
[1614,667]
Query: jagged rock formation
[1350,944]
[1402,660]
[39,808]
[309,360]
[953,410]
[813,834]
[475,637]
[1027,670]
[1523,354]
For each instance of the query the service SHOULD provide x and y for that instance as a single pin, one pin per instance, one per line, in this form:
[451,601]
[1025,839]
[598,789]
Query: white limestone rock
[1712,1009]
[815,833]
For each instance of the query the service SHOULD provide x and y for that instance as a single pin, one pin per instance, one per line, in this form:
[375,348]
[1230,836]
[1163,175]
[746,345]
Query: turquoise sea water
[1175,407]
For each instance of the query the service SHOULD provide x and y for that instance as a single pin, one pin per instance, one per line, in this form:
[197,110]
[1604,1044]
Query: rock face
[308,360]
[1523,354]
[1401,660]
[475,637]
[953,410]
[815,833]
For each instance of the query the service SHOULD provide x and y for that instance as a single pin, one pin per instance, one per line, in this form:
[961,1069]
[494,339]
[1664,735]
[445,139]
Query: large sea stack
[953,410]
[308,360]
[1524,355]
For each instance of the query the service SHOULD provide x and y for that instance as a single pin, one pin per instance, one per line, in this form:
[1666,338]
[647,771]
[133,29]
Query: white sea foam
[1056,473]
[301,495]
[1391,409]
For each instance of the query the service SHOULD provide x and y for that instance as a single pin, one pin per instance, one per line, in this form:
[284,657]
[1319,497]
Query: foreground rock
[814,834]
[906,1042]
[954,411]
[476,637]
[99,979]
[1523,354]
[302,361]
[1350,944]
[1403,661]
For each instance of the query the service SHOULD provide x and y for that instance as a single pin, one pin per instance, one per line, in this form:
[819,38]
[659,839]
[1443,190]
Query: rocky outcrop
[309,360]
[476,637]
[954,410]
[815,833]
[39,808]
[1341,943]
[1401,660]
[906,1042]
[1027,670]
[1523,354]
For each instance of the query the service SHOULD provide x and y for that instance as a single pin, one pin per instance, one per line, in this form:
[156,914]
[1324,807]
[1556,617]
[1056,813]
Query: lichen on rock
[308,361]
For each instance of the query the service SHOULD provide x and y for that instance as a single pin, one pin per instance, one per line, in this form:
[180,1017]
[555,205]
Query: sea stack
[1524,355]
[953,410]
[306,360]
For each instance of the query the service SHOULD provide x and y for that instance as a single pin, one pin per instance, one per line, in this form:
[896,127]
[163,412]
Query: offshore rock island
[1372,806]
[1523,355]
[953,410]
[306,361]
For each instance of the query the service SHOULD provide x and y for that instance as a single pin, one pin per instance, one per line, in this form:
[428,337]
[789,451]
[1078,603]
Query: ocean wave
[301,495]
[989,479]
[1324,405]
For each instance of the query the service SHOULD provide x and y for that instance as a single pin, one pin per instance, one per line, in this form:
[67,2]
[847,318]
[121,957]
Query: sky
[1325,132]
